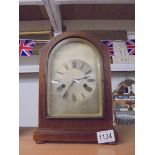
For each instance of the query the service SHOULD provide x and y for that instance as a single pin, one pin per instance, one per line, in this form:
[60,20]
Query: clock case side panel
[73,129]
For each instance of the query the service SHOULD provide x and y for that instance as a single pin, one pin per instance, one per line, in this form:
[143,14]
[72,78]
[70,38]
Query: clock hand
[86,77]
[66,92]
[76,80]
[71,84]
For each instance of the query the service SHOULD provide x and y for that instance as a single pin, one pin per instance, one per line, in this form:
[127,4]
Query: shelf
[31,65]
[125,146]
[62,2]
[129,99]
[29,69]
[122,67]
[31,2]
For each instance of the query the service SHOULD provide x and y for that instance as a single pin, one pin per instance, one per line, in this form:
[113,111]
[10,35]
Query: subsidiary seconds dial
[74,81]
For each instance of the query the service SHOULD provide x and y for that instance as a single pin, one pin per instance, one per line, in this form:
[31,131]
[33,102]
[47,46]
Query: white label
[105,136]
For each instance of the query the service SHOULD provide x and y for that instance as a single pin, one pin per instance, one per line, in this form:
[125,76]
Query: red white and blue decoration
[26,47]
[109,45]
[131,46]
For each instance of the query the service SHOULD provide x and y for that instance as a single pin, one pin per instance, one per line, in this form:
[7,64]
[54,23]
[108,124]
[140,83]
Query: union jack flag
[26,47]
[109,45]
[131,46]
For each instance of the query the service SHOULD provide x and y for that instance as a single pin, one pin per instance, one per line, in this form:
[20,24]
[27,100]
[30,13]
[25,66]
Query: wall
[28,99]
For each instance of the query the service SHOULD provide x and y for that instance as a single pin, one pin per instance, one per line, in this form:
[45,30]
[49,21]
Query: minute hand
[66,92]
[83,78]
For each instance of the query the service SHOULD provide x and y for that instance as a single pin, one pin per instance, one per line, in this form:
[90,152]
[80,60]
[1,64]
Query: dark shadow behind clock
[79,130]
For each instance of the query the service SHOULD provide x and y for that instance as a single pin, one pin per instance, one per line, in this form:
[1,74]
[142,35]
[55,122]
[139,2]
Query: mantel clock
[75,99]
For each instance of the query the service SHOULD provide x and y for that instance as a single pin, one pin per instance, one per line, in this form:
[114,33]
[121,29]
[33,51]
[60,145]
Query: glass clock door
[74,80]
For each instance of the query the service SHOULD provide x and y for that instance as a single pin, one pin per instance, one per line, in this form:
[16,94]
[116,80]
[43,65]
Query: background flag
[131,46]
[109,45]
[26,47]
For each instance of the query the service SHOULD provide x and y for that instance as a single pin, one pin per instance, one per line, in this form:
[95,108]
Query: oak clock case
[74,90]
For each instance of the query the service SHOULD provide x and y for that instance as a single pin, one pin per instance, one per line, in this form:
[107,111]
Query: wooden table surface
[126,145]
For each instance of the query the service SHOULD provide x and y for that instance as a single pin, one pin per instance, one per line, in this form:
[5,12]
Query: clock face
[74,82]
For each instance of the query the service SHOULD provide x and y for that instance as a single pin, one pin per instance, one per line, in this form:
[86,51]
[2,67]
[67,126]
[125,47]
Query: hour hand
[86,77]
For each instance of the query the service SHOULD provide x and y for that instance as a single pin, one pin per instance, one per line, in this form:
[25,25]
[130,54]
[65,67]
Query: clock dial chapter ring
[72,75]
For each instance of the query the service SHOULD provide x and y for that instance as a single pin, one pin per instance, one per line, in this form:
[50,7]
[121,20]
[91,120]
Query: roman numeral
[89,89]
[90,80]
[60,88]
[88,72]
[82,66]
[66,66]
[65,95]
[74,97]
[74,64]
[59,72]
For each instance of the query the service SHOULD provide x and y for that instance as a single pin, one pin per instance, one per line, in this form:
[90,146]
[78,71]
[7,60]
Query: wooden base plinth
[46,135]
